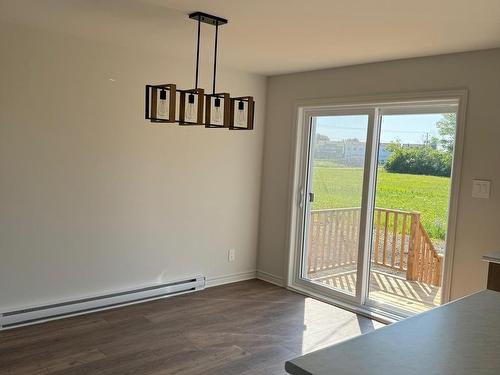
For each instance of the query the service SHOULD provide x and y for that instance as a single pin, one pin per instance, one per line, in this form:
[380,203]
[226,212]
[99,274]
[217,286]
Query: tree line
[433,158]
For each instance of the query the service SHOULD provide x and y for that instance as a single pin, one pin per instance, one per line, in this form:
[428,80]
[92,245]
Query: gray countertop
[462,337]
[493,257]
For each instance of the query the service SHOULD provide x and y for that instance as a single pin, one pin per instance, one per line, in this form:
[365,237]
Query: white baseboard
[231,278]
[270,278]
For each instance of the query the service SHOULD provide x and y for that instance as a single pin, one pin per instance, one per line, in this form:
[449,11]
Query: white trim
[390,100]
[456,177]
[270,278]
[231,278]
[295,191]
[298,153]
[436,106]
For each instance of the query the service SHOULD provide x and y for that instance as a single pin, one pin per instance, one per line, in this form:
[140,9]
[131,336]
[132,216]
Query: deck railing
[424,262]
[400,242]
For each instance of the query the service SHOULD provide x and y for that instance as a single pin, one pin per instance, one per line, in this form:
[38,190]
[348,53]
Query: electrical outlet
[231,255]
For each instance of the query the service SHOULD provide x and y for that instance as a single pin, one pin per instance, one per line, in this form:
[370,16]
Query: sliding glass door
[337,163]
[412,195]
[375,203]
[334,221]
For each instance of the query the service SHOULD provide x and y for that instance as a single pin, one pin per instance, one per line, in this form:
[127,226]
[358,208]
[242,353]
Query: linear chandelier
[165,103]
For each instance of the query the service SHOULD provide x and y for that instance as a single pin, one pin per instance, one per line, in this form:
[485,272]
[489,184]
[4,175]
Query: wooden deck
[393,289]
[400,243]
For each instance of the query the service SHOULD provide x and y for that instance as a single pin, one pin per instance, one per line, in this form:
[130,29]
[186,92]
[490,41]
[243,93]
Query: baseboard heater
[39,314]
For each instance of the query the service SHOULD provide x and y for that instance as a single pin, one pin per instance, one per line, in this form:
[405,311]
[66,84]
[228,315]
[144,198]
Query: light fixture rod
[214,21]
[198,53]
[215,54]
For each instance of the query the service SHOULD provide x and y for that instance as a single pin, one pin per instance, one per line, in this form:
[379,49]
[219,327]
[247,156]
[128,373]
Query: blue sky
[406,128]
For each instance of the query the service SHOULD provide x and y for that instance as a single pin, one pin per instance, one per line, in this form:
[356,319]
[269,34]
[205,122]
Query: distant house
[350,152]
[354,153]
[329,150]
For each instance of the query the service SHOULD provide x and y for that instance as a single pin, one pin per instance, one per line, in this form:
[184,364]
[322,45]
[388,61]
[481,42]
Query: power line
[388,131]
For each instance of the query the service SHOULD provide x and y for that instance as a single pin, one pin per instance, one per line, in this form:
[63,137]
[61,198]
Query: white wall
[92,197]
[478,220]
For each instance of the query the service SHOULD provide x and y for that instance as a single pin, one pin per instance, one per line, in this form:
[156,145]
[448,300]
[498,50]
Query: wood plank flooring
[249,327]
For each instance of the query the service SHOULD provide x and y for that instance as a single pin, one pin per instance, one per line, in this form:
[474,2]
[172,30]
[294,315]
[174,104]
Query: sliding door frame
[305,177]
[304,111]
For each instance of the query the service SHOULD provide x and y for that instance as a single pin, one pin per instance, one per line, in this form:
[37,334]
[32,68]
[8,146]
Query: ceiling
[277,36]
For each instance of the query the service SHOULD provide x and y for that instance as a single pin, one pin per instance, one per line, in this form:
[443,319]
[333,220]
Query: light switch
[481,189]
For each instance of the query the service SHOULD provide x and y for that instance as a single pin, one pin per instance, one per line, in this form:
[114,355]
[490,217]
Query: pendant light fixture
[215,110]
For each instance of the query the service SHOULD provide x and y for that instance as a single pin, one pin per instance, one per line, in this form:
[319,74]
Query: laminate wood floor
[250,327]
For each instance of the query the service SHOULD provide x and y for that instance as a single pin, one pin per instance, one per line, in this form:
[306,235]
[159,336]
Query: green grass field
[337,187]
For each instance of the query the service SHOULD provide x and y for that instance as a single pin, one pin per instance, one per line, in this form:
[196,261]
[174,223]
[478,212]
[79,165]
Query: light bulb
[163,105]
[217,112]
[217,115]
[190,110]
[241,118]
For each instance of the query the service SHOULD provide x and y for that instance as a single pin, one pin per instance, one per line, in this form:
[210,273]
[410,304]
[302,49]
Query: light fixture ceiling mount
[208,18]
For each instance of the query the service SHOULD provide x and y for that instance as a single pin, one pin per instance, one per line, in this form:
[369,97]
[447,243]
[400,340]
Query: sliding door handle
[311,197]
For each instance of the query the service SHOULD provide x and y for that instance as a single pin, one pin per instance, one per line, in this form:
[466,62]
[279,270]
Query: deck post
[437,271]
[412,247]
